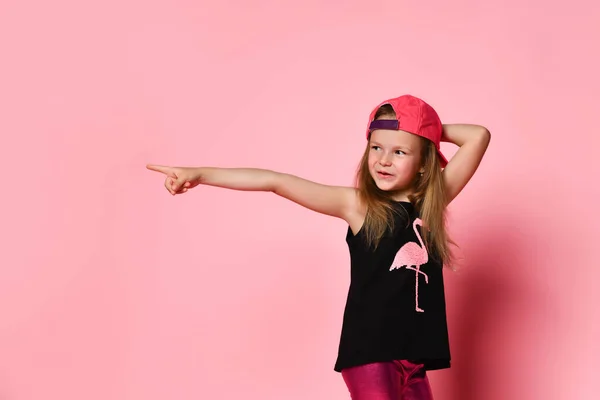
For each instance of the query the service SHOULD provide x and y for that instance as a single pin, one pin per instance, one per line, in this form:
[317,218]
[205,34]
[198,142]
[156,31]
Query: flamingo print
[409,255]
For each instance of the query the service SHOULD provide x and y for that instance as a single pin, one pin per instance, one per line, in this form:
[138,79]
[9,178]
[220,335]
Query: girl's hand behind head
[178,179]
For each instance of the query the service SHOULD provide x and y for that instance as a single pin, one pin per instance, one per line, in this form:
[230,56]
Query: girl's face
[394,160]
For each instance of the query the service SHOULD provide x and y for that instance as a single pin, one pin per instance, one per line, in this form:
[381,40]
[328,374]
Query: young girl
[394,326]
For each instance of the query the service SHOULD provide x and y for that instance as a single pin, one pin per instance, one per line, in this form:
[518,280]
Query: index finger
[161,168]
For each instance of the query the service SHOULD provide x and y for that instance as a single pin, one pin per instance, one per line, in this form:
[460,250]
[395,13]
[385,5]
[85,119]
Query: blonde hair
[428,198]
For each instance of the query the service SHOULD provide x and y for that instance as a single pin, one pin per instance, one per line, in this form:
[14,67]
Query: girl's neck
[402,196]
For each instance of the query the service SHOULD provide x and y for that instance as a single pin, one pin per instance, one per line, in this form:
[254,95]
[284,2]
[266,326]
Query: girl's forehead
[392,137]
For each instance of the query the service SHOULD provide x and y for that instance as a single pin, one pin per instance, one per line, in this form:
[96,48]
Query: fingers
[169,185]
[180,191]
[176,187]
[175,183]
[163,169]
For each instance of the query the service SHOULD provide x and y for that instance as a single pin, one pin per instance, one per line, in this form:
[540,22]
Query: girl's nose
[385,160]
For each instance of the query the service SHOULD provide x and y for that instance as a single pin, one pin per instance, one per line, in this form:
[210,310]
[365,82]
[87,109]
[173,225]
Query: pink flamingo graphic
[409,255]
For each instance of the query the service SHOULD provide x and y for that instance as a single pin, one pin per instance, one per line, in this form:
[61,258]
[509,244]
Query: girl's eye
[374,147]
[399,152]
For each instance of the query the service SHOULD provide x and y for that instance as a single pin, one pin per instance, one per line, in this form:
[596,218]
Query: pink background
[112,289]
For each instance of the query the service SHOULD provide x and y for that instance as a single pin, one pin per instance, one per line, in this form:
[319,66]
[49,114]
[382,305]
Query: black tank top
[396,308]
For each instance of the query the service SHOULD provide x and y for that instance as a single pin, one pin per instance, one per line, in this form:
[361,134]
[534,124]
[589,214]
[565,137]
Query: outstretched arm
[337,201]
[473,141]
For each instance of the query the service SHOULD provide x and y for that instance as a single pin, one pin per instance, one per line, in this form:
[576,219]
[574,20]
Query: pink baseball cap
[413,115]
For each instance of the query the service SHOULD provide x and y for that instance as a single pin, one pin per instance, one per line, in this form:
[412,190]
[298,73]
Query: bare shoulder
[337,201]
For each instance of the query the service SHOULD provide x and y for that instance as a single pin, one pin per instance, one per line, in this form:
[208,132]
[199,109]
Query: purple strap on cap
[391,124]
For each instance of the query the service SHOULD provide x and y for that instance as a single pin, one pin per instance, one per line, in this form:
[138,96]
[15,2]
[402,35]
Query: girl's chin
[389,183]
[388,187]
[392,187]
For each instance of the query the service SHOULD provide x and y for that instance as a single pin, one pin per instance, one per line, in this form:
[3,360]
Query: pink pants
[395,380]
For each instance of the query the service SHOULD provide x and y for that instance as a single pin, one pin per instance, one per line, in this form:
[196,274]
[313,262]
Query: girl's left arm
[472,141]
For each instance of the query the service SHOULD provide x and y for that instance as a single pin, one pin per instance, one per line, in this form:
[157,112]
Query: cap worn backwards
[413,115]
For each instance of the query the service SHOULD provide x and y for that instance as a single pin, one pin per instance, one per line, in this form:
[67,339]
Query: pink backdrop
[112,289]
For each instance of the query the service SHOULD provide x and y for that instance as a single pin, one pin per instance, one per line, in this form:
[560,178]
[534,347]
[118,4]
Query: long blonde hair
[428,198]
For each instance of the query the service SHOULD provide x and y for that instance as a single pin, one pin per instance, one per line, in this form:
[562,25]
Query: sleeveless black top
[396,308]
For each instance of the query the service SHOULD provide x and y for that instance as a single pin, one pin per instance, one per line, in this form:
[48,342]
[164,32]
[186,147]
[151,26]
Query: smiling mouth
[384,174]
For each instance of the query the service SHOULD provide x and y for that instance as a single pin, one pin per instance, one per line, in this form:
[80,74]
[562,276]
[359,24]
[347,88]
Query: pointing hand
[178,179]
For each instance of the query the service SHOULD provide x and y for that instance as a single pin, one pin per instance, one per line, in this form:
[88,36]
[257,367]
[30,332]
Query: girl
[394,326]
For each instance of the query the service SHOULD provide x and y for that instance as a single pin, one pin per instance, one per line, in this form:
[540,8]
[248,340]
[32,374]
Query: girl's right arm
[337,201]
